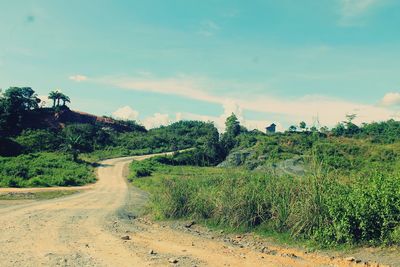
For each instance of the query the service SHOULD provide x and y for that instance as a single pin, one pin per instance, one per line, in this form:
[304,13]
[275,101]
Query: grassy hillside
[349,193]
[341,154]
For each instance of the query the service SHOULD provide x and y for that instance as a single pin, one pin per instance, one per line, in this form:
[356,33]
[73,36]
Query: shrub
[38,140]
[43,169]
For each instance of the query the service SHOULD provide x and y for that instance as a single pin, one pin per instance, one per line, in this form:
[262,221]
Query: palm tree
[55,96]
[72,146]
[65,99]
[59,95]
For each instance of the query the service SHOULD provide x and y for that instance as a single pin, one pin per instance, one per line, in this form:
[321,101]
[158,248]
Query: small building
[271,129]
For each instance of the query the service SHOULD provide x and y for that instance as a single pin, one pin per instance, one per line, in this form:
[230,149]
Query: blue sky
[159,61]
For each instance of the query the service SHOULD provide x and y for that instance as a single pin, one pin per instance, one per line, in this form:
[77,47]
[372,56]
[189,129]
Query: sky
[159,61]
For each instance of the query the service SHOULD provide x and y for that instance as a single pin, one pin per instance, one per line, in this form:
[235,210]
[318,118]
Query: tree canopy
[15,103]
[58,96]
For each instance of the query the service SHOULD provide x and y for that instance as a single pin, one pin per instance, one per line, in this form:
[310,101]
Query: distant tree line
[380,132]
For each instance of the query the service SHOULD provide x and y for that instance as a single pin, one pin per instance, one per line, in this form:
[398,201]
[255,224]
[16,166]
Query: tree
[324,129]
[350,117]
[292,128]
[65,99]
[21,98]
[72,145]
[57,96]
[38,140]
[15,103]
[86,133]
[339,130]
[53,95]
[232,125]
[303,125]
[232,130]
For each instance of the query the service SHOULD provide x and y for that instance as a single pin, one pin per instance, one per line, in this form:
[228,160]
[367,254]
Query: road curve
[57,231]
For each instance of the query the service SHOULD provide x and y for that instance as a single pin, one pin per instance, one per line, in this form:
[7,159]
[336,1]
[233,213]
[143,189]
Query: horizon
[158,62]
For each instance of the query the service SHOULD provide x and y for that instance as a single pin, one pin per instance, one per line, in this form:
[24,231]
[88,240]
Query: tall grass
[320,207]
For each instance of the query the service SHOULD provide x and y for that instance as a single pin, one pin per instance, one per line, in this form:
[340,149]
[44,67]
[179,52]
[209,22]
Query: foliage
[386,132]
[318,207]
[177,136]
[39,140]
[232,125]
[43,169]
[15,103]
[142,168]
[303,125]
[57,96]
[207,152]
[131,125]
[83,137]
[229,138]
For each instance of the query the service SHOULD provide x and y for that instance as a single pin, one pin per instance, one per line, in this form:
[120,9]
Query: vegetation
[57,96]
[338,186]
[319,207]
[28,140]
[15,105]
[349,192]
[42,170]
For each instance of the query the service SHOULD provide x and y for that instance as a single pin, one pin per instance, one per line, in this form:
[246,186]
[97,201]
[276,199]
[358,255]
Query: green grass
[44,170]
[37,195]
[319,208]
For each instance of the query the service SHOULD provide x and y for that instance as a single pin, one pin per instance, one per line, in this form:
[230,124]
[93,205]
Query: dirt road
[85,230]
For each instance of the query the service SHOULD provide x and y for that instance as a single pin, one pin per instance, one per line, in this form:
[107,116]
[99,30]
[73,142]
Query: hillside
[331,188]
[57,146]
[51,118]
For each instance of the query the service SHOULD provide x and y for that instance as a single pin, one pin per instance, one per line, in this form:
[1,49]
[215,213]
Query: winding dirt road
[85,230]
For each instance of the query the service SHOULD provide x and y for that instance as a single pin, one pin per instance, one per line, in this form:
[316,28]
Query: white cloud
[391,99]
[329,110]
[181,85]
[126,113]
[157,120]
[78,78]
[229,107]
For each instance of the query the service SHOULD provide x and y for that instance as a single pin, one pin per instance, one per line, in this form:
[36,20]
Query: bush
[44,169]
[39,140]
[142,168]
